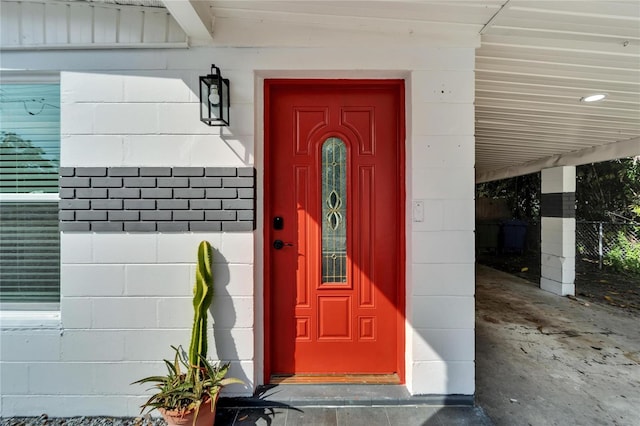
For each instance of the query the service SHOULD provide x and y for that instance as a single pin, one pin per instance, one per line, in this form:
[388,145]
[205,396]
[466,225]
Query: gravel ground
[45,420]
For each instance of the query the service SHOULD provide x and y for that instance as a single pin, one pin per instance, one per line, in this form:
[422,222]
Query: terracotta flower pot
[206,417]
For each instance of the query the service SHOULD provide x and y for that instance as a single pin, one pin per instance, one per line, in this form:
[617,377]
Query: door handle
[279,244]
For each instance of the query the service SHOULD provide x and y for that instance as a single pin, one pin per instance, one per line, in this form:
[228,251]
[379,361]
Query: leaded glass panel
[334,211]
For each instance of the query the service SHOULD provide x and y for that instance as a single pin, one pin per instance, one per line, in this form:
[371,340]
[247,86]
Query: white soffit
[353,23]
[144,3]
[537,60]
[87,24]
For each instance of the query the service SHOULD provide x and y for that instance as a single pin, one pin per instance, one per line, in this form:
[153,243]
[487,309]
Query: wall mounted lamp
[214,98]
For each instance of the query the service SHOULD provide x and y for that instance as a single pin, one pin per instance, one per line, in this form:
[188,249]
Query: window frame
[40,315]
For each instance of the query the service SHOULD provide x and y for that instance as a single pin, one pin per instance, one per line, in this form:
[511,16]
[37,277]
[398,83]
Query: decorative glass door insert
[334,211]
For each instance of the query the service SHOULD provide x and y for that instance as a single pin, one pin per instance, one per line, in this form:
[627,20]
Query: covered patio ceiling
[536,60]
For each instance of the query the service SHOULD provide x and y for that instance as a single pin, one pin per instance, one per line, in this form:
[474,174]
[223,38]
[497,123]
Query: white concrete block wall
[441,304]
[558,255]
[126,297]
[122,306]
[150,118]
[558,179]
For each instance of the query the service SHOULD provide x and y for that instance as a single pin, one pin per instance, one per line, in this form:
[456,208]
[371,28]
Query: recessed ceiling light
[594,98]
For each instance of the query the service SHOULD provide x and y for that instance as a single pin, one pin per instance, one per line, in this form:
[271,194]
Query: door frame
[399,84]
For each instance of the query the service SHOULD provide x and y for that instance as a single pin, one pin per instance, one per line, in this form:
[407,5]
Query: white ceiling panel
[537,60]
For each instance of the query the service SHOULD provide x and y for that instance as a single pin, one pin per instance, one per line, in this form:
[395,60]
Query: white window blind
[29,169]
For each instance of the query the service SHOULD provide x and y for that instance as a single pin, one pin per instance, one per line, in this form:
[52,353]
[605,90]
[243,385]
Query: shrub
[624,255]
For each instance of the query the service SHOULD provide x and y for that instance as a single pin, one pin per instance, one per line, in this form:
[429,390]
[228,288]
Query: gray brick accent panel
[560,204]
[157,199]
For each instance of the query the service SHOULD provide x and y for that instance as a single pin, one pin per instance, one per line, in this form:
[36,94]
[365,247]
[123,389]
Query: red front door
[334,223]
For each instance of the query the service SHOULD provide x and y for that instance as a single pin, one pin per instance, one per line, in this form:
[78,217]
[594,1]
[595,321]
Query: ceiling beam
[194,17]
[594,154]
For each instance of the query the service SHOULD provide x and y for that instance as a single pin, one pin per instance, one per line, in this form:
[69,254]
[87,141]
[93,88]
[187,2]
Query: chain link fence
[610,244]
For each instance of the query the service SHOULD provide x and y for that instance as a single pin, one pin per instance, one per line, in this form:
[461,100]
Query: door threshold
[301,379]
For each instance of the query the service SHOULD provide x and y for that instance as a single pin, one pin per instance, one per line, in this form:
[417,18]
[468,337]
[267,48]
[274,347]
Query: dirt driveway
[542,359]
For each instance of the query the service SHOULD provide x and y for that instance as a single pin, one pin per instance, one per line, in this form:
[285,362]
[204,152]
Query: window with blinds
[29,169]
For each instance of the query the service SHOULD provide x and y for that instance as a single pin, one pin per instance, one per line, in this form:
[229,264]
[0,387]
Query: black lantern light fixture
[214,98]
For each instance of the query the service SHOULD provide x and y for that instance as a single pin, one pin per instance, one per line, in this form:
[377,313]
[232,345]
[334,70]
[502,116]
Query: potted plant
[188,393]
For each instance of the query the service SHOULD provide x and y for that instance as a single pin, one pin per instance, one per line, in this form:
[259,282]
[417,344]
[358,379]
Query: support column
[558,248]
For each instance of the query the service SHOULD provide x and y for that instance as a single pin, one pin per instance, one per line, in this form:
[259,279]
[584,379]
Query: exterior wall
[441,280]
[126,295]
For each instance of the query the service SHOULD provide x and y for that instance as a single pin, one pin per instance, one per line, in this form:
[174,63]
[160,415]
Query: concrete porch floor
[541,359]
[353,416]
[341,404]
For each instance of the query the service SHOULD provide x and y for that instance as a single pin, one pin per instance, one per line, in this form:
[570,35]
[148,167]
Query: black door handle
[279,244]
